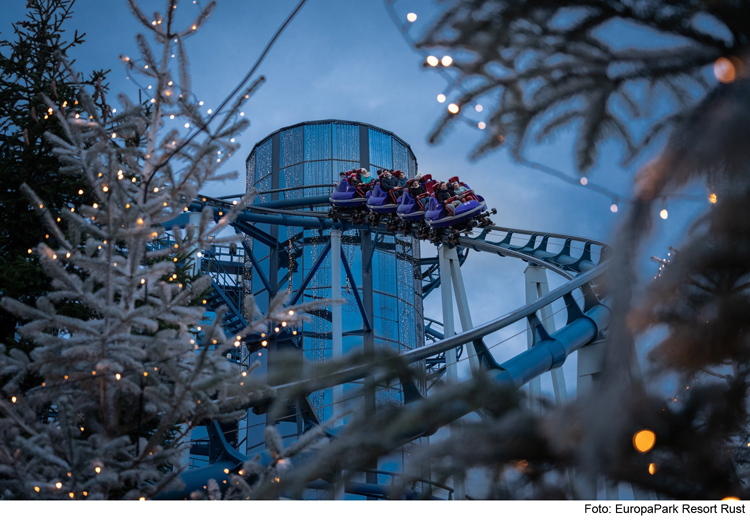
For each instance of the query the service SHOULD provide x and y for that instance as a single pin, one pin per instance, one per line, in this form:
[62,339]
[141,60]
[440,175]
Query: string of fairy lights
[724,71]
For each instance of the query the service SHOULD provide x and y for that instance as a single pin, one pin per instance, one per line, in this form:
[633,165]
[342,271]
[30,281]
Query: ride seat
[453,179]
[430,186]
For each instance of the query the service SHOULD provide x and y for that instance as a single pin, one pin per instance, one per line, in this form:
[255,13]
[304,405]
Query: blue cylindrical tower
[381,275]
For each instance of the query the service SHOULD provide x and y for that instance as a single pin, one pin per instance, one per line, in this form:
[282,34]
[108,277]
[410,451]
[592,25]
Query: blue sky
[344,59]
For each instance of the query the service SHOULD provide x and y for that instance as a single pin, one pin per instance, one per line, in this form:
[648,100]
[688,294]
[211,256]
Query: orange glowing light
[644,440]
[724,70]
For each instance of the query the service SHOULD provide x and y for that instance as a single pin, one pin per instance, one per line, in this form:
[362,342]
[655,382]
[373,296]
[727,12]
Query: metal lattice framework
[547,348]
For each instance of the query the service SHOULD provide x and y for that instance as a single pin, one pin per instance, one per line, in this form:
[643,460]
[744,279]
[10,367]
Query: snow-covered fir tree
[103,405]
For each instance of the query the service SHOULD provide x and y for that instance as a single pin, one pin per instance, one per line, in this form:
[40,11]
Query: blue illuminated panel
[314,154]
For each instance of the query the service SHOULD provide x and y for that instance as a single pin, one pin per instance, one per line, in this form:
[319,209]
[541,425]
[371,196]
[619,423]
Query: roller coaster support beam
[451,279]
[450,276]
[336,333]
[537,287]
[195,220]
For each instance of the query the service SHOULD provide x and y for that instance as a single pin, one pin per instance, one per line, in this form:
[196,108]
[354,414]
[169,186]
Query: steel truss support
[256,268]
[365,318]
[537,287]
[450,278]
[310,274]
[336,330]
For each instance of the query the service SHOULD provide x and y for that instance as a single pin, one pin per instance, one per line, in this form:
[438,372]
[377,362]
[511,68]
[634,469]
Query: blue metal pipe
[286,220]
[316,200]
[549,354]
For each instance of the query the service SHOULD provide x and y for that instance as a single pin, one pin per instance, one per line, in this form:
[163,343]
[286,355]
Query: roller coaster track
[583,325]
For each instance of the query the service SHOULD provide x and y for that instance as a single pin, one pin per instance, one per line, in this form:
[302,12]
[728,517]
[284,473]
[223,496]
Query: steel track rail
[549,353]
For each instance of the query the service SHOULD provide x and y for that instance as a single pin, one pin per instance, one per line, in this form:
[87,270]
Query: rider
[415,190]
[364,181]
[401,177]
[365,175]
[388,183]
[463,192]
[443,193]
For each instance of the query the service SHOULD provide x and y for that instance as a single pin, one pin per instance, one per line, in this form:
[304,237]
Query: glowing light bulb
[651,469]
[264,343]
[724,70]
[236,344]
[613,208]
[411,17]
[187,125]
[431,60]
[447,60]
[712,198]
[481,125]
[114,135]
[453,108]
[171,116]
[58,485]
[118,376]
[584,180]
[98,469]
[13,399]
[664,214]
[644,440]
[80,191]
[441,98]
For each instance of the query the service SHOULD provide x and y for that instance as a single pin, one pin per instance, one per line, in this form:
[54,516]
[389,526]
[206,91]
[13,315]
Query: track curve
[584,324]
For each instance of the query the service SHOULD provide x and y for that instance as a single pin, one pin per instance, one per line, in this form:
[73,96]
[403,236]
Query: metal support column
[336,330]
[195,219]
[537,287]
[451,369]
[368,335]
[464,313]
[336,338]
